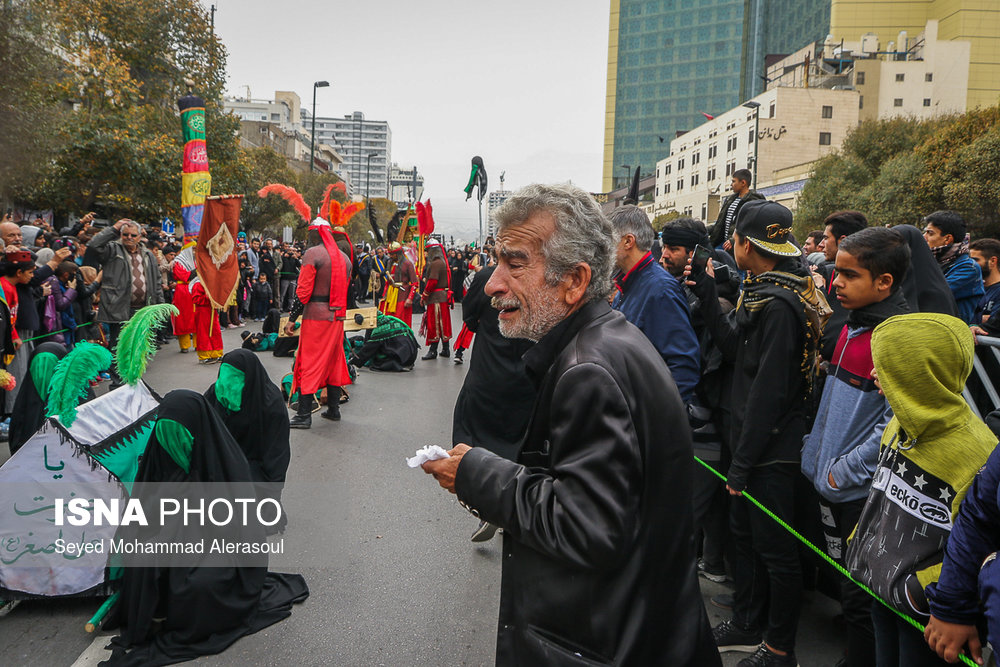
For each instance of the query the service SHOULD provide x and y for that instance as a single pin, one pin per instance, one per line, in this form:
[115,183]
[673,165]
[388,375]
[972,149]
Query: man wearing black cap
[771,337]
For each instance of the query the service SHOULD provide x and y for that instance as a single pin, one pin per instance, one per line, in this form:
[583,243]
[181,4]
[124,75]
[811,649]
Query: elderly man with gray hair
[598,556]
[131,274]
[654,300]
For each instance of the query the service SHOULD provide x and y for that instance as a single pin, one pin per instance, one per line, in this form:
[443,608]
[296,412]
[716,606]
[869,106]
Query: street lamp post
[312,141]
[756,138]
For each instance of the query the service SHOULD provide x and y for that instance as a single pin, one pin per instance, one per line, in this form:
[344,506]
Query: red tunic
[320,360]
[183,323]
[207,333]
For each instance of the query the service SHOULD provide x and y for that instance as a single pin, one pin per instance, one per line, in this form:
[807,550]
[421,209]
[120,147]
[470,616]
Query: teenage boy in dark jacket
[839,456]
[771,337]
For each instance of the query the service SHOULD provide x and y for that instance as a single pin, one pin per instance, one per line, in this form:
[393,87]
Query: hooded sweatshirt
[852,415]
[930,453]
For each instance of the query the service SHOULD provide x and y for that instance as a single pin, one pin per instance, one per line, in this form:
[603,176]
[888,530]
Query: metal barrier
[980,391]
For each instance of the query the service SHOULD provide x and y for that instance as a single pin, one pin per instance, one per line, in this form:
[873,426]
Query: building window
[696,158]
[666,170]
[712,151]
[899,78]
[827,112]
[680,164]
[927,101]
[824,138]
[694,180]
[711,174]
[704,211]
[898,102]
[666,189]
[657,192]
[750,138]
[859,79]
[928,77]
[680,183]
[861,101]
[771,111]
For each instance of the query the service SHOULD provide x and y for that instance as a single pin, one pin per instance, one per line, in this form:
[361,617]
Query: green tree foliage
[664,218]
[122,67]
[30,109]
[265,166]
[897,171]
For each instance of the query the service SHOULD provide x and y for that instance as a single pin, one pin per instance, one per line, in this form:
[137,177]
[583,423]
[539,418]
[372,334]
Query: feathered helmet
[332,216]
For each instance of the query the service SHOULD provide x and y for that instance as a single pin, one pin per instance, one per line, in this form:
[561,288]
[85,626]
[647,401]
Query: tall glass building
[671,60]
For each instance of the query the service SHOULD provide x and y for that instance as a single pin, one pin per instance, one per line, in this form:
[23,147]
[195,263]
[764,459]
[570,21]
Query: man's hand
[732,491]
[289,328]
[444,470]
[408,303]
[948,640]
[118,225]
[17,344]
[46,290]
[688,270]
[72,283]
[830,481]
[60,255]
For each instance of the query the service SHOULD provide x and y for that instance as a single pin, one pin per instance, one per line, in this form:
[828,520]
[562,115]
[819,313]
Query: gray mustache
[501,304]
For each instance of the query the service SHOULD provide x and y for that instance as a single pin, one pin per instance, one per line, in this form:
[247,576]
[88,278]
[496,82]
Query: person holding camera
[131,275]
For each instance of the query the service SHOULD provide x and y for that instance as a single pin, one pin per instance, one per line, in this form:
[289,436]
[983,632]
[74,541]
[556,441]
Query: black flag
[476,179]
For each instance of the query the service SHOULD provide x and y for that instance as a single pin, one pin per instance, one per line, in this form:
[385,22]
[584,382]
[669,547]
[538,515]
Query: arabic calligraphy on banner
[47,467]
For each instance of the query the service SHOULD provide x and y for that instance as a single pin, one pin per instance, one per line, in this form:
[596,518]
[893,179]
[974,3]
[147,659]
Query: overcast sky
[521,83]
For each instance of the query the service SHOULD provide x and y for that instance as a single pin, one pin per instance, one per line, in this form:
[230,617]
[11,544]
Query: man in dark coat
[771,338]
[598,563]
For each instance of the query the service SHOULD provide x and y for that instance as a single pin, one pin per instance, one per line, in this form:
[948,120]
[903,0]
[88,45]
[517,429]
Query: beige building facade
[976,22]
[796,126]
[896,75]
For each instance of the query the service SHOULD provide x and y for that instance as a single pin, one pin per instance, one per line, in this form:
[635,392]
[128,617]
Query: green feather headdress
[137,342]
[72,377]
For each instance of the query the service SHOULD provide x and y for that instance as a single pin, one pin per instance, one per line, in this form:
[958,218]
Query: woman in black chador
[253,409]
[173,614]
[29,406]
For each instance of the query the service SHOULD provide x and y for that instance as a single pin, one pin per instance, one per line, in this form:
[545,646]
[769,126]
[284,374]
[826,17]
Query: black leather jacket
[599,564]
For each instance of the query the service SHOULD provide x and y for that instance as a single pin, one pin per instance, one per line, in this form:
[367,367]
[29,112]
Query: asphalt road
[393,577]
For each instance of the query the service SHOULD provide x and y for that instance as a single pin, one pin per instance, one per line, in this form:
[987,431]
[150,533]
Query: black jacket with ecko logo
[598,560]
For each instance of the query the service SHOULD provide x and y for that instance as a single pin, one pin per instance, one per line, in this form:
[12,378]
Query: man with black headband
[710,411]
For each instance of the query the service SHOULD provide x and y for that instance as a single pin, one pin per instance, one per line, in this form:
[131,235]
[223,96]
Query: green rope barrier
[822,554]
[44,335]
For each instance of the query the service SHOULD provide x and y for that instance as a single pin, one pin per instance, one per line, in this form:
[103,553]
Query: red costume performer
[399,294]
[182,270]
[321,300]
[437,298]
[207,332]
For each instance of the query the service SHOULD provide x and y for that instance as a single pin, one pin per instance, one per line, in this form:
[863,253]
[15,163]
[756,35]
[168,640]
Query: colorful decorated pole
[196,182]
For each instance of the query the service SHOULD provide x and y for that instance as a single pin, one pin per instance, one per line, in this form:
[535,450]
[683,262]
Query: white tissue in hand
[425,454]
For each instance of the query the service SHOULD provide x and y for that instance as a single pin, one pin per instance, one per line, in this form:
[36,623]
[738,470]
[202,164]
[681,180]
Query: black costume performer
[203,609]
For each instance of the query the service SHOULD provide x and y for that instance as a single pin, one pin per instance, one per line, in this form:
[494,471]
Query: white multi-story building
[494,201]
[796,127]
[401,185]
[356,139]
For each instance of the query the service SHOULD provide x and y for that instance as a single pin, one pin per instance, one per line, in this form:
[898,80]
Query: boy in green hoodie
[930,453]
